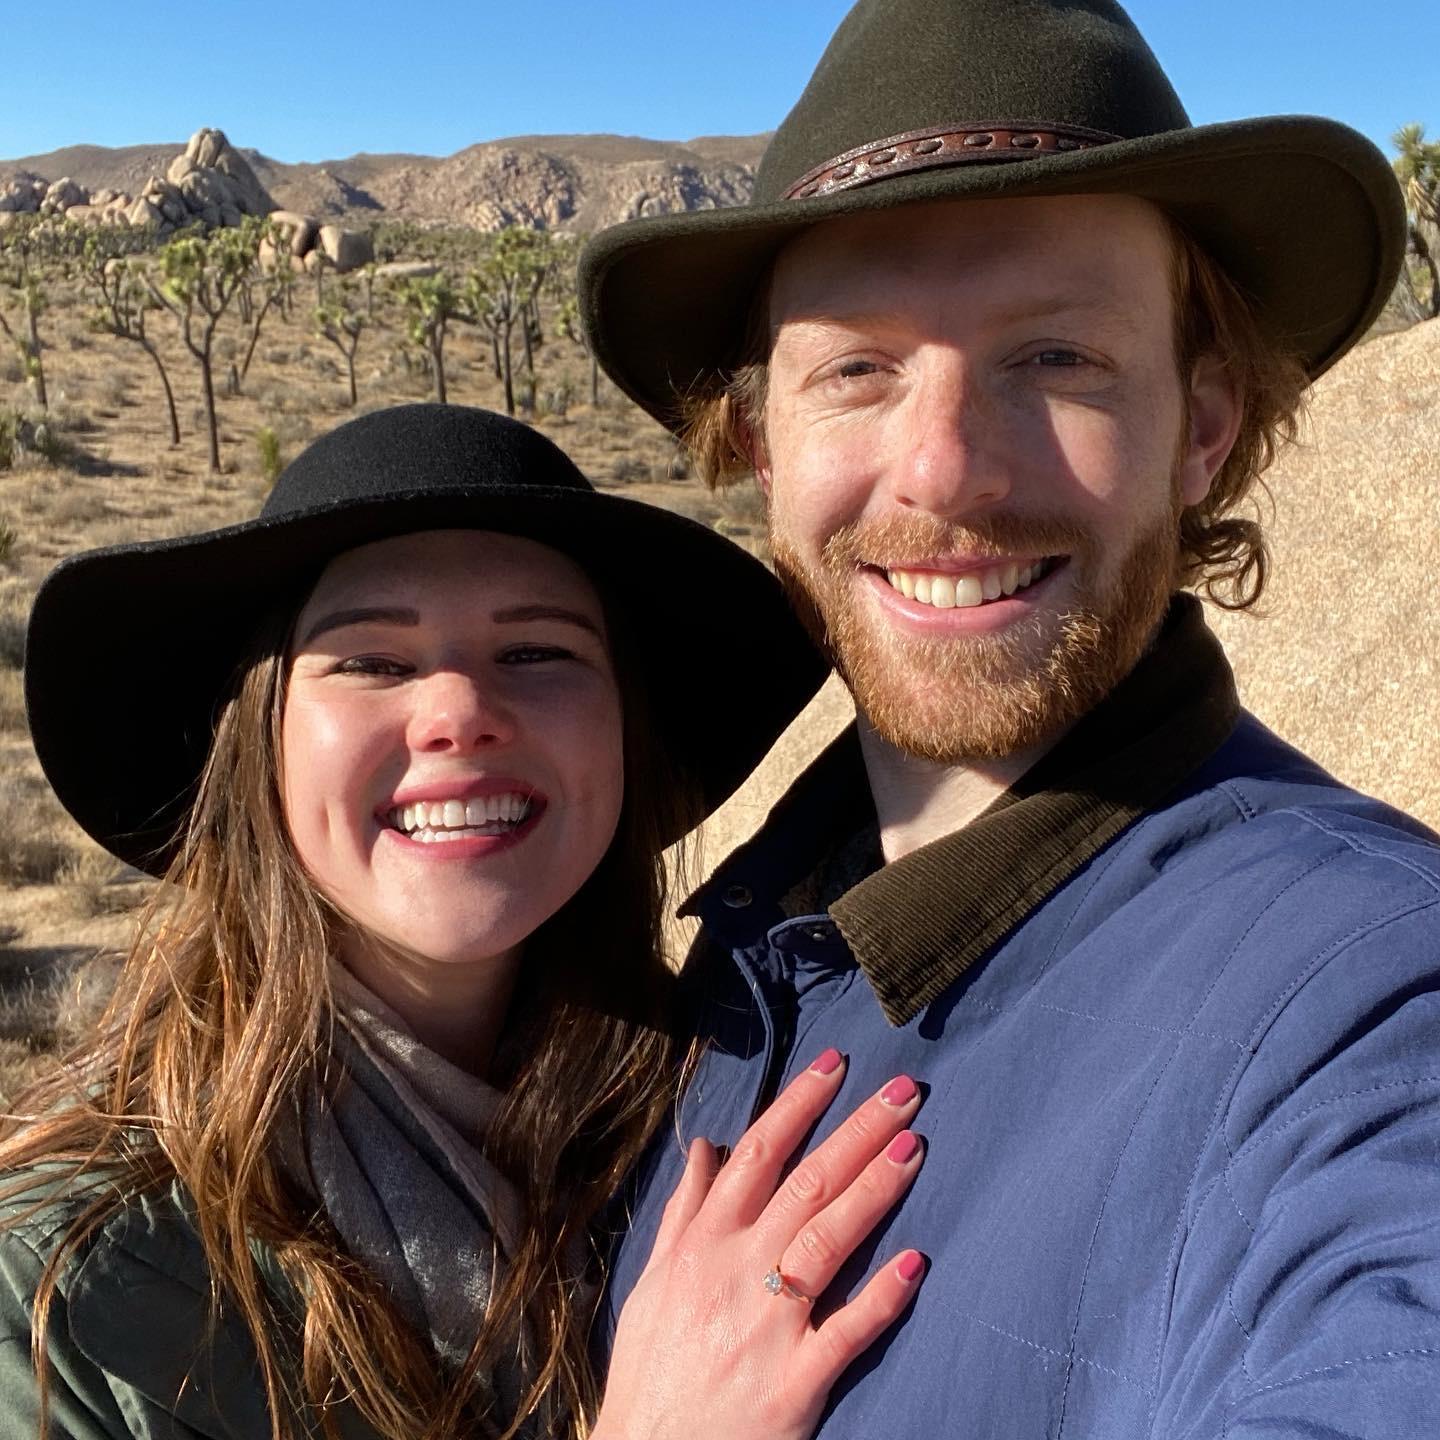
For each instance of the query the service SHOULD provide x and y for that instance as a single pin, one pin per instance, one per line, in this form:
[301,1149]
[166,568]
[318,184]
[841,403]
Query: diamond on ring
[776,1283]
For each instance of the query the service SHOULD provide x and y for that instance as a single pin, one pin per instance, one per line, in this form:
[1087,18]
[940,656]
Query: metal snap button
[737,897]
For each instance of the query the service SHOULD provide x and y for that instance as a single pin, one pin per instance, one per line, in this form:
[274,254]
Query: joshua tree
[500,291]
[267,283]
[22,243]
[112,267]
[200,277]
[567,323]
[431,304]
[1417,167]
[342,322]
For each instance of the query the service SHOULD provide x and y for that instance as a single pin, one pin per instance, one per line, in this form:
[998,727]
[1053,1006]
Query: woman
[407,749]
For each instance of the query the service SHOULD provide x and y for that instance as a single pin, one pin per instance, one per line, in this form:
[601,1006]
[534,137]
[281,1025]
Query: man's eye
[856,369]
[1058,358]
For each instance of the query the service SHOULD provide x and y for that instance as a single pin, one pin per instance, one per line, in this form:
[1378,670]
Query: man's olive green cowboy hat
[918,100]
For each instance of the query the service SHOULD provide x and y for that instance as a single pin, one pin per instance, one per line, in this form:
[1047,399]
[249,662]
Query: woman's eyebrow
[521,613]
[361,615]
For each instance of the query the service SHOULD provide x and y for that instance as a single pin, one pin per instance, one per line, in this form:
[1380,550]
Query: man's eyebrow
[515,614]
[360,615]
[1030,307]
[1107,307]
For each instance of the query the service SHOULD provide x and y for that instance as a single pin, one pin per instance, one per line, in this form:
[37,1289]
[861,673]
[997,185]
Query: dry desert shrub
[91,881]
[15,597]
[35,833]
[29,1009]
[83,994]
[12,700]
[629,469]
[22,1062]
[76,507]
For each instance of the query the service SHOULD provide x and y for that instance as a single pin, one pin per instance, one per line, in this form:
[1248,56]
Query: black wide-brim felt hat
[924,100]
[132,649]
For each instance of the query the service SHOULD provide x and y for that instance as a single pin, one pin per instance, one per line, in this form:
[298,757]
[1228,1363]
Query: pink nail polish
[827,1062]
[910,1266]
[903,1147]
[900,1091]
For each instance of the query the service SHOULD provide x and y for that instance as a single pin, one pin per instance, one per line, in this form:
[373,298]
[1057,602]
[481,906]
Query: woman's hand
[705,1347]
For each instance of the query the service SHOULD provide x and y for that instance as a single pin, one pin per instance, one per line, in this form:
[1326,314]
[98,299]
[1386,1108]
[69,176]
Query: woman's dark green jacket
[133,1349]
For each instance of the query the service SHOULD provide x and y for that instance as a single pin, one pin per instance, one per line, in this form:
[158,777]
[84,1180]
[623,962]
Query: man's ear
[1215,411]
[752,445]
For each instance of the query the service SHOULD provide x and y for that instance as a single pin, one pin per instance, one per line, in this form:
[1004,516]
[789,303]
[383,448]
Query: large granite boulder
[61,195]
[203,188]
[346,250]
[398,271]
[298,231]
[145,212]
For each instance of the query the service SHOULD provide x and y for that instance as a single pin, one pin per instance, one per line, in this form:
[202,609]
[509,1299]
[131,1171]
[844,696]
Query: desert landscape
[1344,660]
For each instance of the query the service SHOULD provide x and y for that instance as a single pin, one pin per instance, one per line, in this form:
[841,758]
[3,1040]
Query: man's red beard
[982,696]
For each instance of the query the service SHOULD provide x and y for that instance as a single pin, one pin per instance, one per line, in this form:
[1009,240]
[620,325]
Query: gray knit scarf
[395,1155]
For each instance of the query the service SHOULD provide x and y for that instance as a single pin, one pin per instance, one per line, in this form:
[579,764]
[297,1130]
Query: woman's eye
[856,369]
[533,654]
[370,665]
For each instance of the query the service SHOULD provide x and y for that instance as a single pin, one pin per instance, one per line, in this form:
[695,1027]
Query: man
[1006,343]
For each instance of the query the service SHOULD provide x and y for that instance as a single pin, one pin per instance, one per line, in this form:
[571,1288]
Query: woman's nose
[455,711]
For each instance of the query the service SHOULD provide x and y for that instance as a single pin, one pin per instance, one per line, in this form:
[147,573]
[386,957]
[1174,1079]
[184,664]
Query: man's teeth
[961,592]
[455,819]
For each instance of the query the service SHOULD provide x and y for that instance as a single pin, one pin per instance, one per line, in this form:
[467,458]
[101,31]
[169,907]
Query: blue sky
[302,81]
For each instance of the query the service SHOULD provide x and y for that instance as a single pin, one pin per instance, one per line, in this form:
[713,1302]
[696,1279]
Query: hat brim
[131,648]
[1304,214]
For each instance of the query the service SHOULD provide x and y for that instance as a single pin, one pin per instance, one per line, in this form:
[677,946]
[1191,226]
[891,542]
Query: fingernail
[827,1062]
[910,1266]
[903,1147]
[900,1091]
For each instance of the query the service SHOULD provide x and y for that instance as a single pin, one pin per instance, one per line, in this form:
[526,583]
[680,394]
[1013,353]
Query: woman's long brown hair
[220,1022]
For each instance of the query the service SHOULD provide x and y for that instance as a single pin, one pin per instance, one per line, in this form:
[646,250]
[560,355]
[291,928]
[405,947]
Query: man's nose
[950,443]
[459,712]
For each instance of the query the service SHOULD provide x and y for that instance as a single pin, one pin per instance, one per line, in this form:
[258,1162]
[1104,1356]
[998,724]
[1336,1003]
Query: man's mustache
[900,538]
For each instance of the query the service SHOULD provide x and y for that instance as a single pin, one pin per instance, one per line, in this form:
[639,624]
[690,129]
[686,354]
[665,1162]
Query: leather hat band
[942,145]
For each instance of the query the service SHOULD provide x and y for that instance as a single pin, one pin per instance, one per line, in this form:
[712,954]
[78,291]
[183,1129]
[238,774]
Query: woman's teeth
[961,592]
[434,820]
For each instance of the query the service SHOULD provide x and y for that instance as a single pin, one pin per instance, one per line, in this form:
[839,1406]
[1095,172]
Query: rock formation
[555,182]
[209,183]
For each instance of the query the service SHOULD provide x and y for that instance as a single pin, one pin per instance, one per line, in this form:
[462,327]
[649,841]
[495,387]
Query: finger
[835,1164]
[826,1241]
[701,1167]
[748,1178]
[840,1340]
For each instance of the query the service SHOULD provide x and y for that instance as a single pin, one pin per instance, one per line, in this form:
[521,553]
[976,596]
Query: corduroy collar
[916,925]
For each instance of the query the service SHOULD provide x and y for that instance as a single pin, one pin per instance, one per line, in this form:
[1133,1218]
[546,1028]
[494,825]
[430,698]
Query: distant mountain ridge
[559,182]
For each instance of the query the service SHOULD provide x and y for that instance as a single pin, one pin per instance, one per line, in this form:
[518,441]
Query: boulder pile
[308,244]
[209,183]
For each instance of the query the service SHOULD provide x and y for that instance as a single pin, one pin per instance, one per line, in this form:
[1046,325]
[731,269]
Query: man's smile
[948,588]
